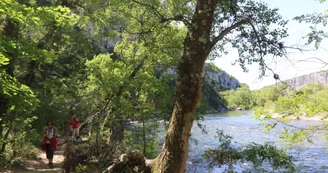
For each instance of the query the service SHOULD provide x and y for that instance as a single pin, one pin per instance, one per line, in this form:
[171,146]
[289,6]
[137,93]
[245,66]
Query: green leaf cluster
[228,153]
[307,102]
[241,98]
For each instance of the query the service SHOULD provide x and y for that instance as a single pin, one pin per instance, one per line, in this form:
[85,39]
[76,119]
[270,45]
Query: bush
[241,98]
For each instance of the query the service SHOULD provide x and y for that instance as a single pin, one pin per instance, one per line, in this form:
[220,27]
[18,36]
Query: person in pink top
[75,127]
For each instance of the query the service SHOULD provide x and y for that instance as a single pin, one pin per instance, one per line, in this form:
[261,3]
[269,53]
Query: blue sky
[285,68]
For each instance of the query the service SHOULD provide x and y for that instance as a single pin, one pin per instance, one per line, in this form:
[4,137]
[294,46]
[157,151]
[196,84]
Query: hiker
[49,142]
[75,127]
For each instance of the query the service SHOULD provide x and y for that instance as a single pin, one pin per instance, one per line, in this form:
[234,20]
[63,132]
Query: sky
[298,63]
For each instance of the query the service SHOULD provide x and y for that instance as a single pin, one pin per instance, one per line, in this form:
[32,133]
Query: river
[240,125]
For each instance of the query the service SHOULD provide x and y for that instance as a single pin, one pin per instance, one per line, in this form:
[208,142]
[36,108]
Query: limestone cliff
[216,80]
[222,79]
[217,77]
[318,77]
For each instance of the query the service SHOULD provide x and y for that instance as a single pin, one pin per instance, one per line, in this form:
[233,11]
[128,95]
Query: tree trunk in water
[174,154]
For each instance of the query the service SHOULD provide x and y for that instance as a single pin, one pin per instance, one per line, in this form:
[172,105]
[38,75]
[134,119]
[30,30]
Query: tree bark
[197,46]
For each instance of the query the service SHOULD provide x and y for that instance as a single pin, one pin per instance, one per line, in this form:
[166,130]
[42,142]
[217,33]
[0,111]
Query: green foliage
[227,153]
[306,102]
[242,98]
[22,99]
[55,58]
[31,52]
[81,168]
[133,139]
[25,18]
[293,136]
[37,16]
[318,21]
[22,102]
[271,93]
[288,104]
[24,148]
[210,99]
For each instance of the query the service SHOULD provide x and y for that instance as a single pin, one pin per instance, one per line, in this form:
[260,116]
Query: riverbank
[303,117]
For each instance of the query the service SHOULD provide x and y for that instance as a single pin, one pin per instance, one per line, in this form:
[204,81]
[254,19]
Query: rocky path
[41,163]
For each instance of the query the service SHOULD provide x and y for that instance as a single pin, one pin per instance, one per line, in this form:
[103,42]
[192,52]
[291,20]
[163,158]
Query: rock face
[222,79]
[216,76]
[216,80]
[319,77]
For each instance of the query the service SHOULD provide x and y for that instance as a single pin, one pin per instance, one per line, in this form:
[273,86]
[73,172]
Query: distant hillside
[318,77]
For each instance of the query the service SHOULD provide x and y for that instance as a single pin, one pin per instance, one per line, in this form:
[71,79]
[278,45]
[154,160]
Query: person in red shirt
[75,127]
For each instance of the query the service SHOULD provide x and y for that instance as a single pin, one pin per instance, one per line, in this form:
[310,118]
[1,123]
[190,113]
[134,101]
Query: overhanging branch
[163,19]
[175,18]
[227,30]
[262,62]
[149,6]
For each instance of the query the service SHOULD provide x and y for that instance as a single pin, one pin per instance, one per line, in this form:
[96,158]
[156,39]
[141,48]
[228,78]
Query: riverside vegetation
[282,104]
[105,60]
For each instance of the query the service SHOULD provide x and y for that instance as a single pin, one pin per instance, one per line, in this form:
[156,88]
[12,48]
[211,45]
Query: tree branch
[131,76]
[162,18]
[175,18]
[149,6]
[296,127]
[227,30]
[262,62]
[139,33]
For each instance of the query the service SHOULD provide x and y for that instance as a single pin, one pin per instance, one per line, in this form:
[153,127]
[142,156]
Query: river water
[307,157]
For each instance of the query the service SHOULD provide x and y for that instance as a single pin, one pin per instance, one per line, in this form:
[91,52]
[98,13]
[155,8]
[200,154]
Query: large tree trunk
[174,154]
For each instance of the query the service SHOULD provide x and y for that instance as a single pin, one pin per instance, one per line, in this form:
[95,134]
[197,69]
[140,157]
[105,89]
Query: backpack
[78,139]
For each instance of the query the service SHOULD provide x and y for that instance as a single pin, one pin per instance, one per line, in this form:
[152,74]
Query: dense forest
[106,62]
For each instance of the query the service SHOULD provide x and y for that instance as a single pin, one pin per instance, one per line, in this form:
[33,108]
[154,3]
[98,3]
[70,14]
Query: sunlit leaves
[105,76]
[38,16]
[307,102]
[294,136]
[3,60]
[22,99]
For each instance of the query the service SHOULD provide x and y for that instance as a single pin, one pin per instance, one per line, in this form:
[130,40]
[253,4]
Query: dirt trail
[41,164]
